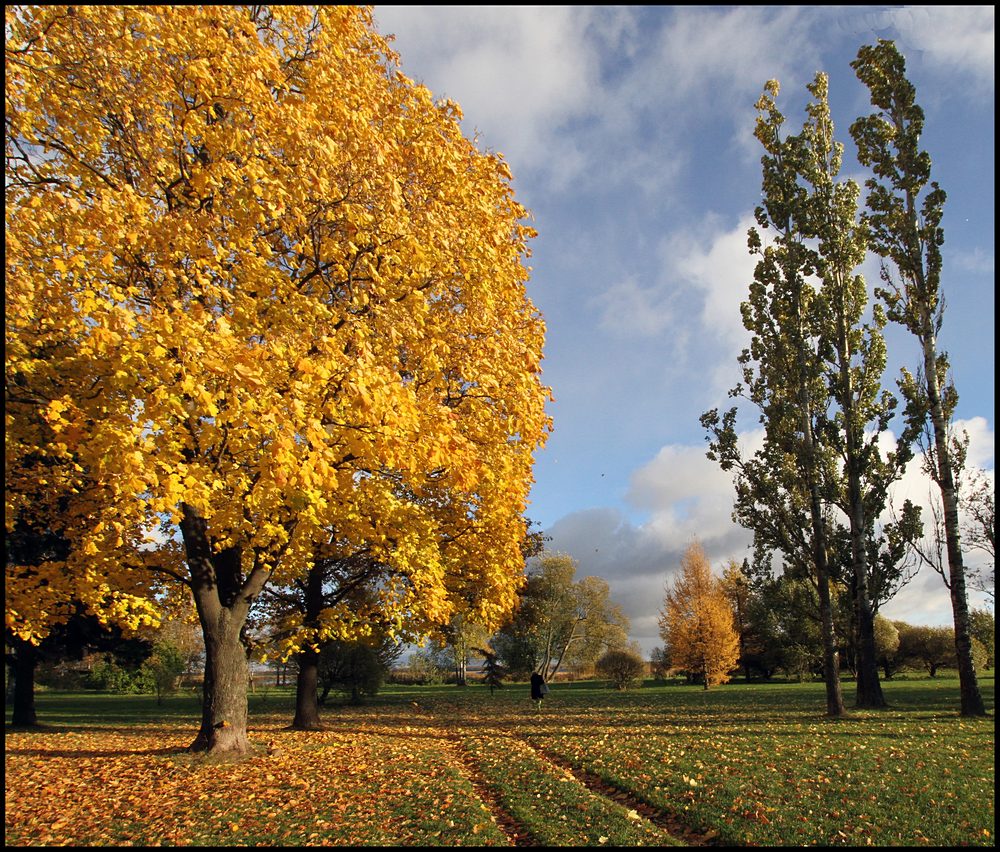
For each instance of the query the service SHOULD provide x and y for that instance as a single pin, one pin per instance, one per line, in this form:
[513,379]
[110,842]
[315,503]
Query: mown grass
[552,806]
[749,764]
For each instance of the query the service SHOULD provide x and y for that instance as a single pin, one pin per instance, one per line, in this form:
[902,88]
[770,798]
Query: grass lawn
[754,764]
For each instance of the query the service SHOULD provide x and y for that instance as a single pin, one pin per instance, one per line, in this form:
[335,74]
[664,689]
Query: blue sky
[629,131]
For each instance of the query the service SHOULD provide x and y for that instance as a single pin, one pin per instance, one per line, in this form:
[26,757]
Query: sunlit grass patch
[906,776]
[552,805]
[755,764]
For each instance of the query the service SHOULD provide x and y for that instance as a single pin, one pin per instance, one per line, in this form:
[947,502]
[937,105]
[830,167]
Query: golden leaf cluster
[255,273]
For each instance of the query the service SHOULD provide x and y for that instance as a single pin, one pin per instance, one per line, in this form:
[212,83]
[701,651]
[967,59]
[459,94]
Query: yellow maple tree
[696,621]
[260,291]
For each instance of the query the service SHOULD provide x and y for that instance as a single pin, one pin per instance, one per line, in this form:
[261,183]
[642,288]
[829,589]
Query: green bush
[60,675]
[425,668]
[164,667]
[622,667]
[109,676]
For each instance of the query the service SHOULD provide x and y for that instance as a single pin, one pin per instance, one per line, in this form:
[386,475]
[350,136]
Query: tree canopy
[261,295]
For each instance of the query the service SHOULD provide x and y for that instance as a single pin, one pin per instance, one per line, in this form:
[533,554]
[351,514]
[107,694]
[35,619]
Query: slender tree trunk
[306,694]
[831,669]
[25,659]
[307,681]
[869,688]
[562,651]
[971,697]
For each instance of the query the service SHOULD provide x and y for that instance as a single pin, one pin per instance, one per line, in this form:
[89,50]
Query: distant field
[739,764]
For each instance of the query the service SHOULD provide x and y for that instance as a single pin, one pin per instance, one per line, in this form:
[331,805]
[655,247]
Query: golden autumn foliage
[696,622]
[262,291]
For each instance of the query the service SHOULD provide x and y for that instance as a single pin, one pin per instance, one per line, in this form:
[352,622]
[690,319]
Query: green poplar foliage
[905,209]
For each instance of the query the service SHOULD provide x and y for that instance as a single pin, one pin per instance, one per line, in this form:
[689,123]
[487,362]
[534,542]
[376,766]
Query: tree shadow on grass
[124,729]
[76,754]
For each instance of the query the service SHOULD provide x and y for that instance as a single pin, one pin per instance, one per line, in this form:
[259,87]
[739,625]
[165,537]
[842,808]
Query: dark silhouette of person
[537,692]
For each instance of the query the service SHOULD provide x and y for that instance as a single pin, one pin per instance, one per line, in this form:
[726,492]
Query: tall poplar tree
[850,409]
[904,213]
[782,487]
[854,359]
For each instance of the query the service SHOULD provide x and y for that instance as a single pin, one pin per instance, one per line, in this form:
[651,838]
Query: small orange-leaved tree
[696,622]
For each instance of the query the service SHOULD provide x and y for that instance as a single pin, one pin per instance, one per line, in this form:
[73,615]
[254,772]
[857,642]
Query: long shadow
[516,832]
[82,753]
[126,729]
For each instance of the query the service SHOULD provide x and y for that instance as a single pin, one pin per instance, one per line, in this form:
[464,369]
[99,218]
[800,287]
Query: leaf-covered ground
[445,766]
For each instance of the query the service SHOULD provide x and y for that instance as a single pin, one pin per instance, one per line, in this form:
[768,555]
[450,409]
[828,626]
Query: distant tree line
[777,624]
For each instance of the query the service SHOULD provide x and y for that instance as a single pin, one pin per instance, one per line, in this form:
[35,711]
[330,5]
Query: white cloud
[976,260]
[520,73]
[729,52]
[916,486]
[629,309]
[953,37]
[948,38]
[558,89]
[703,276]
[721,269]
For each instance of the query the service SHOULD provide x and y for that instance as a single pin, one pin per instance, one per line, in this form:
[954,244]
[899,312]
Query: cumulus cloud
[520,73]
[703,276]
[684,497]
[558,88]
[947,38]
[729,52]
[955,37]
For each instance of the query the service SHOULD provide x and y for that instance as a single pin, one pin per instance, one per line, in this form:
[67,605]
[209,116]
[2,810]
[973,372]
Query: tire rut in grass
[670,822]
[515,832]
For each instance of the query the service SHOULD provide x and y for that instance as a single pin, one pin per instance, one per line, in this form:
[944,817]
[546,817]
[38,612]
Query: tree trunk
[23,711]
[224,696]
[831,669]
[307,681]
[222,597]
[869,688]
[971,697]
[306,695]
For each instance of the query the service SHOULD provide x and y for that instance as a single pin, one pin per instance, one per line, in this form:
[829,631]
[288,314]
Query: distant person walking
[538,689]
